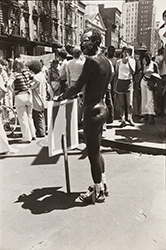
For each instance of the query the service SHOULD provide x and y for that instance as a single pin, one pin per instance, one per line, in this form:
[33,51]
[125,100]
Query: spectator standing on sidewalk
[38,87]
[62,54]
[125,68]
[10,72]
[4,144]
[161,93]
[5,78]
[74,69]
[147,98]
[162,30]
[95,77]
[54,79]
[110,90]
[44,69]
[161,61]
[137,79]
[19,81]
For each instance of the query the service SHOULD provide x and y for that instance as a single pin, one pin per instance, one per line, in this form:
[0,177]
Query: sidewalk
[143,137]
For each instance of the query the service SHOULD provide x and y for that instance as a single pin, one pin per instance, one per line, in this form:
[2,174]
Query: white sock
[103,176]
[98,187]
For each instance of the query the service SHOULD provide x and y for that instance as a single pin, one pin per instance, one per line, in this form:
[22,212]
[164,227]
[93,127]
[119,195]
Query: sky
[160,6]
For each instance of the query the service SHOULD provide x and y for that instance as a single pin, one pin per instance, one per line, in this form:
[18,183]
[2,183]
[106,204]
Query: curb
[133,147]
[130,147]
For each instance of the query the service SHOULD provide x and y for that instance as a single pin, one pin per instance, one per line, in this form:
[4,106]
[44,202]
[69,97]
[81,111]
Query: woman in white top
[125,68]
[147,98]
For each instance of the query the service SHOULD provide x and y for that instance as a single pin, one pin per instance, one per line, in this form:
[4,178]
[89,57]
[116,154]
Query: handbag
[154,81]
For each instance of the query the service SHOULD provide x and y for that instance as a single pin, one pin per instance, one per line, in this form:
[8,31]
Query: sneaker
[106,191]
[89,196]
[100,198]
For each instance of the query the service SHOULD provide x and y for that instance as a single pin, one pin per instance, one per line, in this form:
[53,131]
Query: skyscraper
[138,18]
[130,20]
[146,23]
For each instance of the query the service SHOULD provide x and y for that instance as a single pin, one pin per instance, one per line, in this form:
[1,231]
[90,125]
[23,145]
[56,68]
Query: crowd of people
[27,86]
[100,80]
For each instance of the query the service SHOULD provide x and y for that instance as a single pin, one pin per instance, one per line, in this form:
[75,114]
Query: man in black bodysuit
[95,76]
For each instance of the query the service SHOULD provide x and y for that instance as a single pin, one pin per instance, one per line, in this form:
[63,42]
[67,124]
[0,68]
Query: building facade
[36,27]
[93,19]
[112,21]
[139,25]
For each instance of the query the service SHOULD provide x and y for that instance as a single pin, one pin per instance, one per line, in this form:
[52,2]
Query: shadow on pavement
[142,132]
[43,158]
[129,135]
[45,200]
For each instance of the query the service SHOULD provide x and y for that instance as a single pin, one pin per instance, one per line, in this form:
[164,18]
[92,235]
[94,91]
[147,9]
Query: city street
[37,213]
[65,61]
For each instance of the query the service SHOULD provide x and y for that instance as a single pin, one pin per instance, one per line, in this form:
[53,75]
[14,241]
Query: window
[81,22]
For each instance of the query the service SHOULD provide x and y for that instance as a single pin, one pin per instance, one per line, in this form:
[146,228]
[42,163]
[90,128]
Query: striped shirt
[21,80]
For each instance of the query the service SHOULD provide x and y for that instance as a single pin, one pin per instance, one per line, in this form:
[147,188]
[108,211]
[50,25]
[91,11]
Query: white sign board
[62,118]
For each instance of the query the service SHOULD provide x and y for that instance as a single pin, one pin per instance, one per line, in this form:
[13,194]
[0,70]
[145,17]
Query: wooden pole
[64,148]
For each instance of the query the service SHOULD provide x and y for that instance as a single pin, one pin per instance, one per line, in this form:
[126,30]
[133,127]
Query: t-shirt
[39,92]
[21,80]
[74,69]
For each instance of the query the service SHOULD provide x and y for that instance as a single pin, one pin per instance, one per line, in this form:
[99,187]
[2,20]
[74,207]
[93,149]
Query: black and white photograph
[82,124]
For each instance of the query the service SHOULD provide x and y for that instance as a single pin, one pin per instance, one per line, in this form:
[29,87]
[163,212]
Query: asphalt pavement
[38,214]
